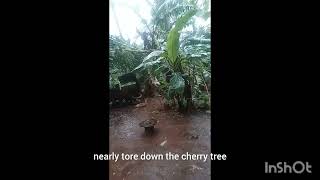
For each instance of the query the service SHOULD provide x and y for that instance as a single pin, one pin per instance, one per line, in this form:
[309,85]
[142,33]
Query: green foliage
[123,58]
[177,84]
[146,62]
[173,36]
[173,61]
[186,55]
[114,81]
[201,101]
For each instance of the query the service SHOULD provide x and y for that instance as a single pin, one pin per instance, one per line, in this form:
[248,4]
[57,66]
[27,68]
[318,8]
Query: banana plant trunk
[187,97]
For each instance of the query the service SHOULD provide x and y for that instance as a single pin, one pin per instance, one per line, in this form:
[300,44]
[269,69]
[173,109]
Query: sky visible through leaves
[129,21]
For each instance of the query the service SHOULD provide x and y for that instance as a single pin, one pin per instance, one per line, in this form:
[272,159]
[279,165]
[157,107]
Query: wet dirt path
[180,133]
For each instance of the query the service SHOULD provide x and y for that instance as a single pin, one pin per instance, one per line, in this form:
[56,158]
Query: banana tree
[171,60]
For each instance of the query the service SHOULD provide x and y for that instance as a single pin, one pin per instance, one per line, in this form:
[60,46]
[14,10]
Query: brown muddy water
[174,133]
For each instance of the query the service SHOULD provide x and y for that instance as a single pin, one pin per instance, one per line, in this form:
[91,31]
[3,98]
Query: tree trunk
[188,96]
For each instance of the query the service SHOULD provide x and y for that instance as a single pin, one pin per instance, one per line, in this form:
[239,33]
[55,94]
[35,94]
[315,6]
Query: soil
[174,132]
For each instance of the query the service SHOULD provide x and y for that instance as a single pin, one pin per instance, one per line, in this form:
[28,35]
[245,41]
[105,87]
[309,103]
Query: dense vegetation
[176,53]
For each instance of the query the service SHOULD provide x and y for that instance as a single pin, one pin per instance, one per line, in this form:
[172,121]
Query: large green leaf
[177,83]
[146,61]
[152,54]
[195,41]
[146,64]
[173,36]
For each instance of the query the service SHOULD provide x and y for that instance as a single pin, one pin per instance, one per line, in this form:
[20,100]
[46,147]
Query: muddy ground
[174,133]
